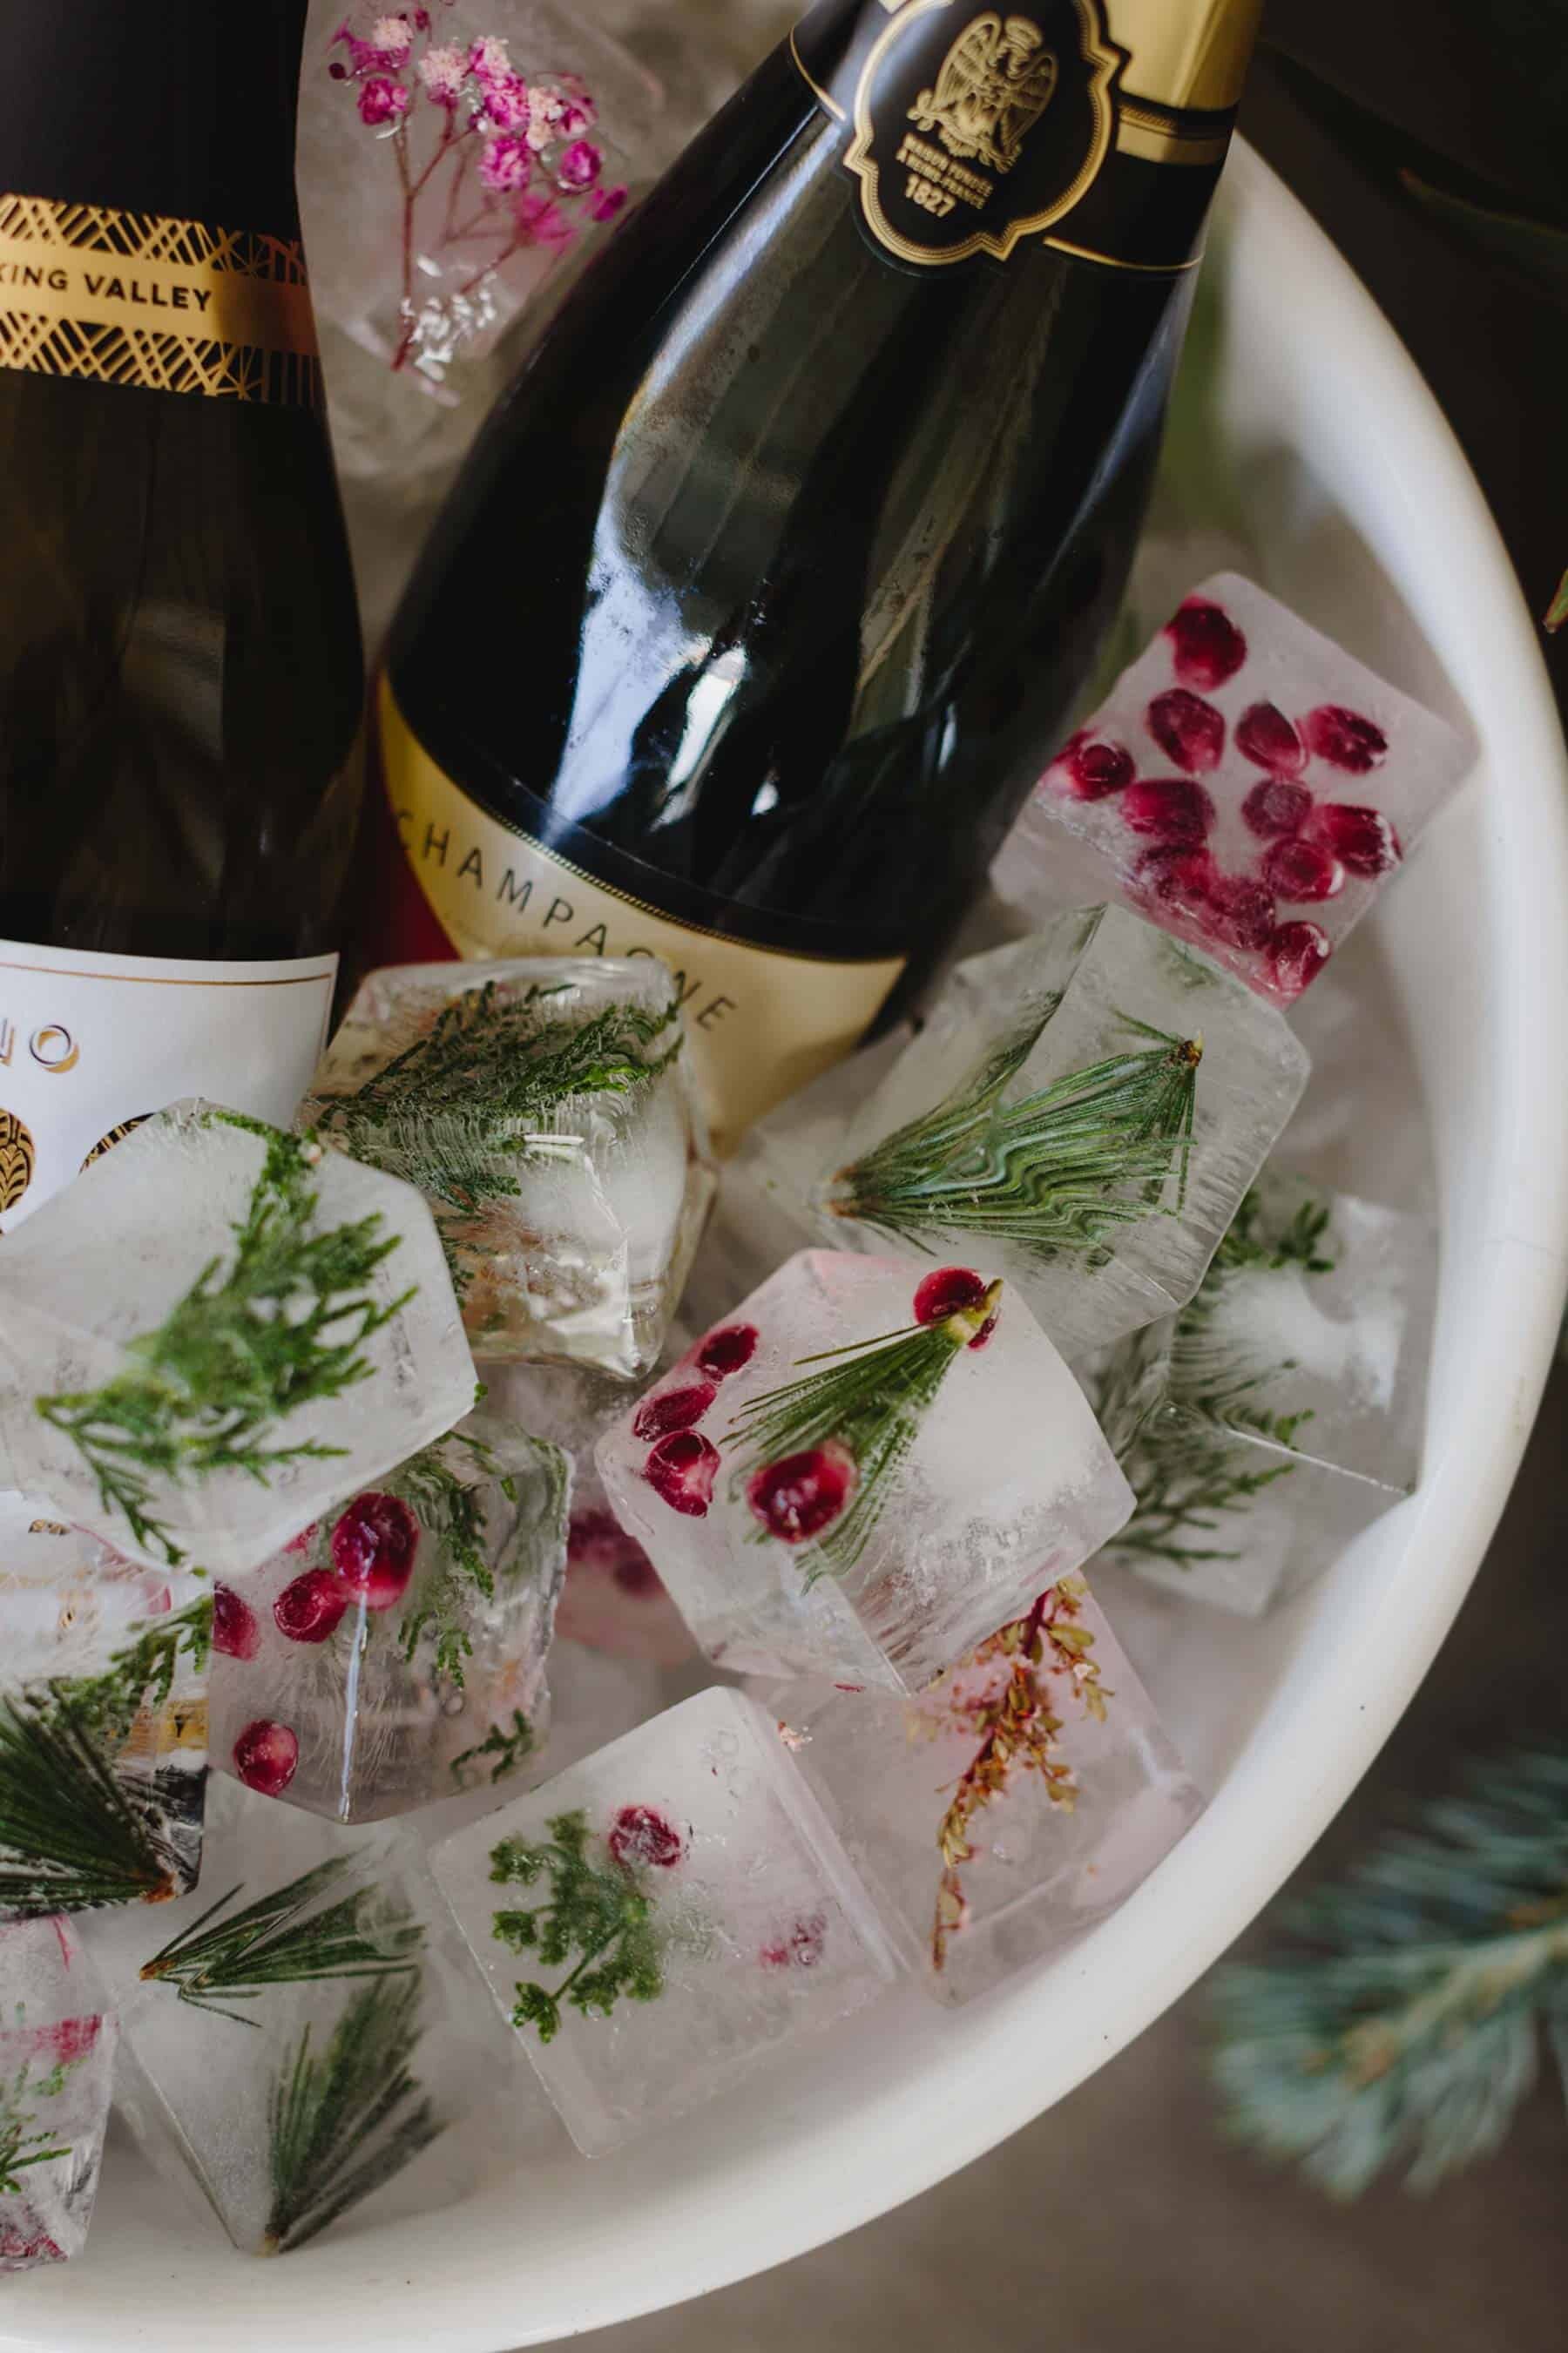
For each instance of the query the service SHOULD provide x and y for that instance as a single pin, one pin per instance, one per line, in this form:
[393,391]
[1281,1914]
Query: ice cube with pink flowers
[863,1470]
[1249,785]
[56,2060]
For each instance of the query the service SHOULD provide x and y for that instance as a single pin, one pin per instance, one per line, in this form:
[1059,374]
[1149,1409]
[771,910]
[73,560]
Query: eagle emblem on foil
[994,84]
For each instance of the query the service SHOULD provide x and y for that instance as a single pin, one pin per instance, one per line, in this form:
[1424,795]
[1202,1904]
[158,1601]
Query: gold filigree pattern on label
[17,1160]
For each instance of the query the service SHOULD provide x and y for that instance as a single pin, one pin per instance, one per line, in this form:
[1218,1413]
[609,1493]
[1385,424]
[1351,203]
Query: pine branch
[74,1832]
[278,1326]
[507,1747]
[342,2126]
[20,2146]
[451,1512]
[1399,2019]
[596,1911]
[1059,1170]
[292,1935]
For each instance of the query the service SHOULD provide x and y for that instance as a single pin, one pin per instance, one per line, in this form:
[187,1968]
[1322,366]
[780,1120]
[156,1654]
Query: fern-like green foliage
[450,1506]
[1399,2019]
[1057,1171]
[298,1934]
[141,1673]
[343,2122]
[596,1910]
[278,1323]
[502,1750]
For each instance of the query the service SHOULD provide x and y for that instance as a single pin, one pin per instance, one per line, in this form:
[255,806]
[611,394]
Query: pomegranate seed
[636,1575]
[1172,810]
[1277,805]
[1303,869]
[640,1839]
[235,1629]
[308,1609]
[1265,737]
[1362,838]
[801,1948]
[984,1334]
[942,1295]
[1207,645]
[265,1757]
[725,1351]
[304,1540]
[795,1498]
[1240,912]
[1090,770]
[681,1468]
[1187,729]
[374,1546]
[1344,739]
[1297,954]
[1177,878]
[673,1409]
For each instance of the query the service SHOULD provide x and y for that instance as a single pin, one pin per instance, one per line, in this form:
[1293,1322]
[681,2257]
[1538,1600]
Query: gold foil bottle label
[140,299]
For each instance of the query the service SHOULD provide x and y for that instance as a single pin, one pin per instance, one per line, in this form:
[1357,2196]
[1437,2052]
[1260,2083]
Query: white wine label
[761,1021]
[90,1044]
[172,305]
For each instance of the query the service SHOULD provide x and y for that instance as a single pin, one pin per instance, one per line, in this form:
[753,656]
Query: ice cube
[103,1738]
[1005,1811]
[67,1598]
[297,2034]
[665,1917]
[1086,1107]
[1247,785]
[394,1652]
[862,1470]
[57,2059]
[541,1107]
[215,1330]
[1287,1405]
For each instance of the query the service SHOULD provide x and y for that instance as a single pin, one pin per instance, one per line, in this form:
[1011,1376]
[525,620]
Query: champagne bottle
[771,581]
[181,679]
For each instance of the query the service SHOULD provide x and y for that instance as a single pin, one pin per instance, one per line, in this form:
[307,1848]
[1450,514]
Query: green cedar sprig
[508,1747]
[452,1512]
[341,2124]
[597,1911]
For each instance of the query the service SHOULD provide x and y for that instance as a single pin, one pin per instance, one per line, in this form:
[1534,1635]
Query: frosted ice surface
[57,2059]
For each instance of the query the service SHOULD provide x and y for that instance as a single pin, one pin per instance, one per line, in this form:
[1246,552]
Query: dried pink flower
[580,165]
[381,100]
[506,101]
[489,57]
[577,115]
[547,109]
[542,221]
[505,164]
[443,72]
[393,36]
[605,203]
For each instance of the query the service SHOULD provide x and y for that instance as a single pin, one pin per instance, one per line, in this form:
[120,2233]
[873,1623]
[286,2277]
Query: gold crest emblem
[994,85]
[16,1160]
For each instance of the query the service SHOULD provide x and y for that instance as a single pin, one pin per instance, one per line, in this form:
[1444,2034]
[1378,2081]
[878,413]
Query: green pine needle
[20,2144]
[1058,1171]
[596,1911]
[341,2124]
[75,1833]
[291,1936]
[1399,2019]
[276,1326]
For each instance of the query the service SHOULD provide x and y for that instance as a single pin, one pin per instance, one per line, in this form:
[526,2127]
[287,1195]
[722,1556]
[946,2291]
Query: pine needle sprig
[293,1935]
[21,2147]
[74,1833]
[1056,1172]
[1399,2019]
[598,1911]
[506,1745]
[341,2124]
[1188,1482]
[278,1325]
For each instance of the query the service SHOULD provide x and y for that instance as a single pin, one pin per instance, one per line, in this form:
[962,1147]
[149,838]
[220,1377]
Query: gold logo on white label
[994,84]
[17,1159]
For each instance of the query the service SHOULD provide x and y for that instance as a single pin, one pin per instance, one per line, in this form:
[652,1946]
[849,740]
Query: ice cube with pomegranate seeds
[542,1107]
[998,1815]
[394,1652]
[1247,785]
[862,1470]
[56,2060]
[664,1917]
[1086,1108]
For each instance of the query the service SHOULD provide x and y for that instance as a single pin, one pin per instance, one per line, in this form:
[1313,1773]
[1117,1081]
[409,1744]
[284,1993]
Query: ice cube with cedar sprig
[862,1470]
[1087,1107]
[1247,785]
[57,2058]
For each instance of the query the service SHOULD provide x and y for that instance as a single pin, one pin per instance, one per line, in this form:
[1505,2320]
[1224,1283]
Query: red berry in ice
[1297,954]
[636,1575]
[1088,770]
[1177,878]
[725,1351]
[1277,805]
[642,1840]
[1265,737]
[942,1295]
[801,1948]
[1362,838]
[1170,810]
[303,1541]
[595,1540]
[1299,869]
[1344,739]
[673,1408]
[797,1498]
[373,1544]
[681,1468]
[235,1630]
[265,1757]
[308,1609]
[1207,646]
[1240,912]
[1187,729]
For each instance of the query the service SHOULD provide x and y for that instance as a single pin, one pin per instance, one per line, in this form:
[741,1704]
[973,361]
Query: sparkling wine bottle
[181,679]
[771,581]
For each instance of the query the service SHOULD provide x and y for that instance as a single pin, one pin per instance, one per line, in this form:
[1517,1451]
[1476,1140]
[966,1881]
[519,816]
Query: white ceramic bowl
[1368,517]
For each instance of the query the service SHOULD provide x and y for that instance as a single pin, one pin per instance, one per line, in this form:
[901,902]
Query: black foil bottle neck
[185,108]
